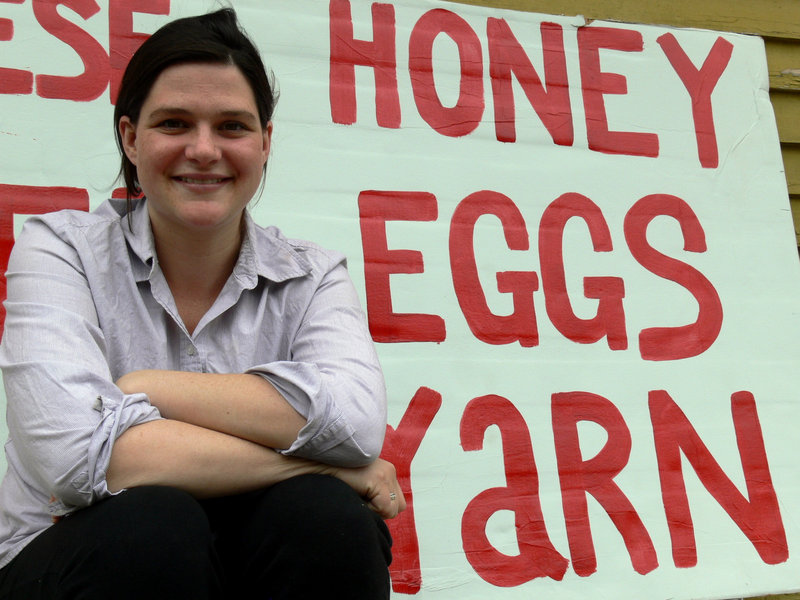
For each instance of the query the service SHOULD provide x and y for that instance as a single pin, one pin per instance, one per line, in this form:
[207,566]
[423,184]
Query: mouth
[201,180]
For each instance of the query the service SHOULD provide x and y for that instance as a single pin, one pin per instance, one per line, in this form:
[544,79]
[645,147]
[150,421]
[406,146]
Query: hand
[377,484]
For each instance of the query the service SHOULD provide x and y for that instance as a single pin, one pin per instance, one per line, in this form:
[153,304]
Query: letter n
[758,516]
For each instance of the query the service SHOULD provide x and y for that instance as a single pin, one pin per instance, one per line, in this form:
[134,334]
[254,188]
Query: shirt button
[192,351]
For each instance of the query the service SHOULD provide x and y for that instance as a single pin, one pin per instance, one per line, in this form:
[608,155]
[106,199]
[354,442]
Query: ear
[127,132]
[267,143]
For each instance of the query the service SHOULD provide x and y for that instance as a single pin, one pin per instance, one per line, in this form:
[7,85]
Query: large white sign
[574,244]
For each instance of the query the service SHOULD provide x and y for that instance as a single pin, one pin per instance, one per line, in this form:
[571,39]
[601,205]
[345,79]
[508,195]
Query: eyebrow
[166,111]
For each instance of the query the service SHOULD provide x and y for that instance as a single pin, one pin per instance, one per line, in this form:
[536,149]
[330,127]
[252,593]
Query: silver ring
[392,496]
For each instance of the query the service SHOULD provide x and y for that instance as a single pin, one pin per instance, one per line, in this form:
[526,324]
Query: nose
[202,147]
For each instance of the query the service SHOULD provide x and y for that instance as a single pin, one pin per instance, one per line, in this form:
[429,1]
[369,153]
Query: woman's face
[199,149]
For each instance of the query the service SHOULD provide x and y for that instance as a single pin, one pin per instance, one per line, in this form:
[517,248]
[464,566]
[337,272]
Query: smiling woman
[199,149]
[196,408]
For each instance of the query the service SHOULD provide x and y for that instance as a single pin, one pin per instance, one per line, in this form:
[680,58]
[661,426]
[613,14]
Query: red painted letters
[609,321]
[537,557]
[98,66]
[595,476]
[596,83]
[488,327]
[123,41]
[758,515]
[399,448]
[507,56]
[375,208]
[379,54]
[92,82]
[13,81]
[655,343]
[508,59]
[465,116]
[700,83]
[673,343]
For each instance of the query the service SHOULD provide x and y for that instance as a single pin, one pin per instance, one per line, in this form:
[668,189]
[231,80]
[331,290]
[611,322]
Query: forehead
[201,86]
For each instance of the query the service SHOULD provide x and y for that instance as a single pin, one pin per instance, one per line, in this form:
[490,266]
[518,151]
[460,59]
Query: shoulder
[68,233]
[280,257]
[316,254]
[63,223]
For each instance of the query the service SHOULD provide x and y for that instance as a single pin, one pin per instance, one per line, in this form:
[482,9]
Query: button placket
[191,359]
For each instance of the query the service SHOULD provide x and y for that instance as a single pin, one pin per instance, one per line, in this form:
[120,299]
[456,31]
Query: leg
[308,537]
[149,542]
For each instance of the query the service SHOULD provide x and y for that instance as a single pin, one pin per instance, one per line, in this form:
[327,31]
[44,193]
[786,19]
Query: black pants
[305,538]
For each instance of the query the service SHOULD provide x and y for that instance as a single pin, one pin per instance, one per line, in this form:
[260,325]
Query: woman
[195,407]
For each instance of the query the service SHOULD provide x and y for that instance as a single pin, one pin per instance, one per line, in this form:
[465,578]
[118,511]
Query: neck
[196,268]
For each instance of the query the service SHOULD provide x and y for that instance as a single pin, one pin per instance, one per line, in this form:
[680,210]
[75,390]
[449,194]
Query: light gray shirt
[88,303]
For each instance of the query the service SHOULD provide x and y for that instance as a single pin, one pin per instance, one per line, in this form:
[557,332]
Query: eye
[172,124]
[234,127]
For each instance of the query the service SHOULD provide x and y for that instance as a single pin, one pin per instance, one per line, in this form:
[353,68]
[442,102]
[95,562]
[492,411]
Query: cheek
[156,156]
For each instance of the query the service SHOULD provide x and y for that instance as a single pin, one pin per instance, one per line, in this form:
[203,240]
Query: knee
[162,515]
[151,542]
[159,526]
[330,518]
[313,536]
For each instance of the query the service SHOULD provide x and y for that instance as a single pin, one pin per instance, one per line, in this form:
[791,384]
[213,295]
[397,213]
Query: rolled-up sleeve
[333,377]
[64,411]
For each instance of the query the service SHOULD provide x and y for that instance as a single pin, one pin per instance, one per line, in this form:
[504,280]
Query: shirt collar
[136,229]
[264,252]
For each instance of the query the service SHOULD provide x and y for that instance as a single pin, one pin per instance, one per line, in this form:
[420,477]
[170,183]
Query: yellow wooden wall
[777,21]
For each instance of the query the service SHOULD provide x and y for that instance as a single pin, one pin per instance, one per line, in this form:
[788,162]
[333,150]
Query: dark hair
[212,38]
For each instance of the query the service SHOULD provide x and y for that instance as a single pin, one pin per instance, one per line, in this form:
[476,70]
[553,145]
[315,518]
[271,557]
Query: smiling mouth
[204,181]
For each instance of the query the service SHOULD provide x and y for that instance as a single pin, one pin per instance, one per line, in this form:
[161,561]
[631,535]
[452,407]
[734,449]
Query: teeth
[200,181]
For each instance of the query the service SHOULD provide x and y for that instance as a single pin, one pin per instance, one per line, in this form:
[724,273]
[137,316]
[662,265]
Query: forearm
[201,461]
[242,405]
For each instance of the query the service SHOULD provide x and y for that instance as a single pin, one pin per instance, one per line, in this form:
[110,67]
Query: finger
[401,501]
[384,506]
[396,504]
[387,503]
